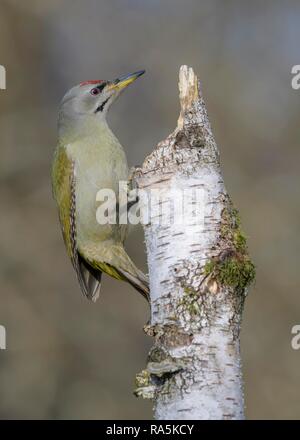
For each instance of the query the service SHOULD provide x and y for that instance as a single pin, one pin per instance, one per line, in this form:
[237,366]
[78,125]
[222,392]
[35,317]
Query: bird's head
[92,99]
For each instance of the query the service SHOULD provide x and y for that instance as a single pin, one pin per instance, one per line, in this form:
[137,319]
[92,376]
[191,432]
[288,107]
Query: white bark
[193,370]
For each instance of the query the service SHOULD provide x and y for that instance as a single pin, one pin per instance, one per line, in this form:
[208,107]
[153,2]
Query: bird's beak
[121,83]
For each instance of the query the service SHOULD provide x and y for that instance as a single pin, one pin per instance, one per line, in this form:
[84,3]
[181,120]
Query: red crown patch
[92,81]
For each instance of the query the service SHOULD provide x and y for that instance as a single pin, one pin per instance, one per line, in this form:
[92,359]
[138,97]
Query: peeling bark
[199,273]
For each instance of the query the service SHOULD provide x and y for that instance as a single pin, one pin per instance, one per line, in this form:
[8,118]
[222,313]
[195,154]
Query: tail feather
[134,276]
[138,280]
[89,279]
[116,262]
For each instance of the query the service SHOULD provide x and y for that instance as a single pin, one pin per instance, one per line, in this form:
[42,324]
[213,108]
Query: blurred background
[65,357]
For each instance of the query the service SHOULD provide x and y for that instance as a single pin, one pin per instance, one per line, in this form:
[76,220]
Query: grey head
[90,100]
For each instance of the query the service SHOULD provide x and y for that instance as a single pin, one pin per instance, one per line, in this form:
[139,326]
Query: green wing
[63,184]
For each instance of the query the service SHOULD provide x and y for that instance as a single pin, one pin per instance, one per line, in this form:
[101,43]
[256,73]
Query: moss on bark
[233,266]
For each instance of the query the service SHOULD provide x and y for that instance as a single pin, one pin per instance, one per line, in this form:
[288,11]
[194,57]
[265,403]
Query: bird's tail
[130,273]
[138,280]
[119,265]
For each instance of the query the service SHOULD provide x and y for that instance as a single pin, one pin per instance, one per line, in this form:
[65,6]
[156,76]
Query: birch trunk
[199,272]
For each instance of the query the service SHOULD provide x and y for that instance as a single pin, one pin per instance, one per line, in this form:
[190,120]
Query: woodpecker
[89,157]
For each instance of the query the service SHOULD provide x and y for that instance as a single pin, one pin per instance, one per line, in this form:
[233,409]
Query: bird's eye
[95,91]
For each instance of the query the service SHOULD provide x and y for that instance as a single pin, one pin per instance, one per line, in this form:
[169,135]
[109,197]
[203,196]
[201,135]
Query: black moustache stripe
[101,107]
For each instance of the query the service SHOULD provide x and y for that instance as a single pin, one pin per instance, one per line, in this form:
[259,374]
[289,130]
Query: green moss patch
[233,267]
[235,271]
